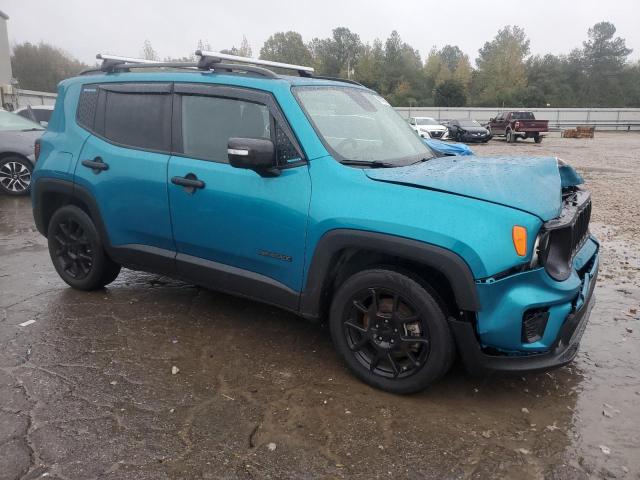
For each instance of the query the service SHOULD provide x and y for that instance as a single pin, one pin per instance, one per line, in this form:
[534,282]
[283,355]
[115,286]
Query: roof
[238,79]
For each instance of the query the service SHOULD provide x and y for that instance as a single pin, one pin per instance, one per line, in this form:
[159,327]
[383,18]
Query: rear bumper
[530,133]
[562,351]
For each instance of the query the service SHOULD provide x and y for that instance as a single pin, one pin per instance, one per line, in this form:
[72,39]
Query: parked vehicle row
[510,125]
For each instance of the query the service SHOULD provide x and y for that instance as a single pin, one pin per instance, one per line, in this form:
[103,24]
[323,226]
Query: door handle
[190,182]
[97,165]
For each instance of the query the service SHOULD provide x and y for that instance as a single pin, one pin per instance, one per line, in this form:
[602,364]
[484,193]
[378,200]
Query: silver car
[17,152]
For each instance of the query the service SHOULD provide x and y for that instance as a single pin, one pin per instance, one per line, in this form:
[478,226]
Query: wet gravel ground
[87,391]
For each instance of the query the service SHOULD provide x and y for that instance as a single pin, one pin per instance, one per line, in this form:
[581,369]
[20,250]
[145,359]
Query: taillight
[36,149]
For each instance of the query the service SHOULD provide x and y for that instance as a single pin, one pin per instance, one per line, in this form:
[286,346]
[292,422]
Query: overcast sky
[86,27]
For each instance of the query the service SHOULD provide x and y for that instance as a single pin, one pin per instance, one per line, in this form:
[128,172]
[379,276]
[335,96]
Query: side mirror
[255,154]
[492,119]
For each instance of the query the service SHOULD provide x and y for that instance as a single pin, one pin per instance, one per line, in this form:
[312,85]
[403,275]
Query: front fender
[333,242]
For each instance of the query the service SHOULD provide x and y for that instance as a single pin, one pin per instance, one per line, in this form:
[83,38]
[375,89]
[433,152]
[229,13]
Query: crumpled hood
[532,184]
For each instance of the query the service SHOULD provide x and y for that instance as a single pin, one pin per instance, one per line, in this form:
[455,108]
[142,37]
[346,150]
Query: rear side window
[138,120]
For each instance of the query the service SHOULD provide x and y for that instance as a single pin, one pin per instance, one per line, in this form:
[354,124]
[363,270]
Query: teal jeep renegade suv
[314,195]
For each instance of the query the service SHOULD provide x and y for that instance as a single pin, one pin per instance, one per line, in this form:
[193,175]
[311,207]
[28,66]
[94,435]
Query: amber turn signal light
[519,235]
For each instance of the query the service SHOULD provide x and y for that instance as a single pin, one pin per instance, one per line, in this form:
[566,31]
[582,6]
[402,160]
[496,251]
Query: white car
[428,127]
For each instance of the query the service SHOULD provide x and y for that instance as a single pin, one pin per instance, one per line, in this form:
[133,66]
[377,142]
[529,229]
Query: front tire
[511,138]
[391,331]
[15,176]
[77,251]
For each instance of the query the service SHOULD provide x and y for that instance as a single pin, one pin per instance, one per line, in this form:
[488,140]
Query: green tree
[286,47]
[450,93]
[243,51]
[501,67]
[42,66]
[368,69]
[147,52]
[338,54]
[451,55]
[604,58]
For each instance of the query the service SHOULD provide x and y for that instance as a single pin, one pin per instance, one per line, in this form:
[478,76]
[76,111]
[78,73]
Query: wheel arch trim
[451,265]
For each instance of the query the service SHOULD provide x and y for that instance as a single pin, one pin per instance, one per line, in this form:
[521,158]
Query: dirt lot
[87,391]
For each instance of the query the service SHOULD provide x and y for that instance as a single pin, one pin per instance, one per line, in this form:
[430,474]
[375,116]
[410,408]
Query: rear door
[123,165]
[240,228]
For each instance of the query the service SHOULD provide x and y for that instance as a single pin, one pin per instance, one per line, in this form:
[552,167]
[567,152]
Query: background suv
[315,195]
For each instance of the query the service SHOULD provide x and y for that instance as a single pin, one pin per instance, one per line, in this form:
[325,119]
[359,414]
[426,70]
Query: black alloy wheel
[391,330]
[73,252]
[386,333]
[77,251]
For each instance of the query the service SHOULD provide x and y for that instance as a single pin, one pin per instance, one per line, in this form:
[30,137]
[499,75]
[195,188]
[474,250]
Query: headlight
[538,247]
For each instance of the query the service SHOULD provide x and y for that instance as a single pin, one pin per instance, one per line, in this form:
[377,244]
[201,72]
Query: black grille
[534,323]
[436,134]
[566,234]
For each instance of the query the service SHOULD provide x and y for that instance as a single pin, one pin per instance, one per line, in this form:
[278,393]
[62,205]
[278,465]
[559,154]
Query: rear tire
[391,331]
[537,139]
[77,251]
[15,176]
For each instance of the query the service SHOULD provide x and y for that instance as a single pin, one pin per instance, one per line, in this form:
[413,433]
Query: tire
[403,345]
[537,139]
[15,176]
[77,251]
[511,138]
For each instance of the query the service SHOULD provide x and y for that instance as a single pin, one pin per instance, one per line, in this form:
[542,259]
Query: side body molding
[329,246]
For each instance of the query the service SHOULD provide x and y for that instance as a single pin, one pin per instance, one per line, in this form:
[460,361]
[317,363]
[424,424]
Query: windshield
[12,122]
[469,123]
[426,121]
[360,126]
[522,116]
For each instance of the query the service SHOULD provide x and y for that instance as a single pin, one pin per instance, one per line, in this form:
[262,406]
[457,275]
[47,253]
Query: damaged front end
[534,319]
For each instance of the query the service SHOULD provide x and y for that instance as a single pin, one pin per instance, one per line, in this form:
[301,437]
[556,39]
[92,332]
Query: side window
[285,150]
[87,106]
[208,123]
[138,119]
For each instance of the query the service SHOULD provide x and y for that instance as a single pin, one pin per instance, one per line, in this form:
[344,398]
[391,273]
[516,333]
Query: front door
[238,230]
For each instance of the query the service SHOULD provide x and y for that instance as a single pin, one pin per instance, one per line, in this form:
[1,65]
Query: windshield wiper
[425,159]
[32,129]
[368,163]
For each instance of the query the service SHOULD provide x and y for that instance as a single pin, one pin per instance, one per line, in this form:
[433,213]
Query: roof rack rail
[113,63]
[209,61]
[206,56]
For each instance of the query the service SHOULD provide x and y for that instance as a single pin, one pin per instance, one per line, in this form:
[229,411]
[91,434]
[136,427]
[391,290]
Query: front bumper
[561,350]
[470,137]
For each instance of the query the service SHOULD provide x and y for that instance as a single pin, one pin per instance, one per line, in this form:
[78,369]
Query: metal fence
[18,98]
[559,118]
